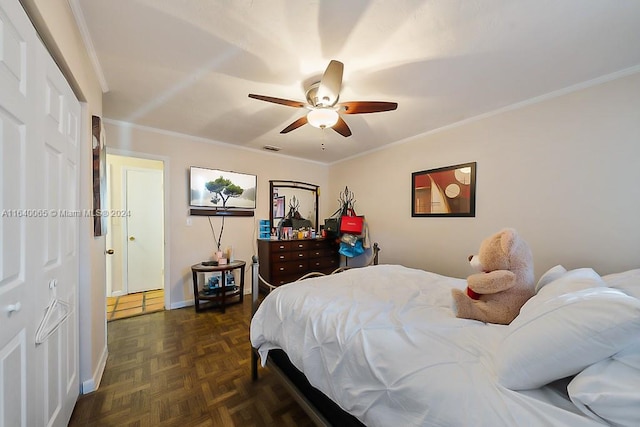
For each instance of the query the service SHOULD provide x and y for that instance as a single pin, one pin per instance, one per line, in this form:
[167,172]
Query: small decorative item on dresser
[265,229]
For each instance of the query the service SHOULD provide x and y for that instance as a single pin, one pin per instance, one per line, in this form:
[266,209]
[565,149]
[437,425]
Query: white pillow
[627,281]
[549,276]
[610,389]
[560,336]
[570,281]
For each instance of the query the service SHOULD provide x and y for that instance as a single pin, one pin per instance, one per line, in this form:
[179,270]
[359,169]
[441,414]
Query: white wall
[191,244]
[564,172]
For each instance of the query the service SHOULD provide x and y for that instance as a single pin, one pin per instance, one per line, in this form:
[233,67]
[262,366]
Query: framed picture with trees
[220,192]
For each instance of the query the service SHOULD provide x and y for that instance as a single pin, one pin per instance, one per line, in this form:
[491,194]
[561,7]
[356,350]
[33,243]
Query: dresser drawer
[323,264]
[300,245]
[289,245]
[317,244]
[280,246]
[288,256]
[289,268]
[322,252]
[281,280]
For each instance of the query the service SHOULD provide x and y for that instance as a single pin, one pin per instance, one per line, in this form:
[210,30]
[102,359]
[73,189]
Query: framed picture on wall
[99,157]
[446,191]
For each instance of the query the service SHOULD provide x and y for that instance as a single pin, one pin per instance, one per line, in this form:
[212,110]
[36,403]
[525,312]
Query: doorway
[135,236]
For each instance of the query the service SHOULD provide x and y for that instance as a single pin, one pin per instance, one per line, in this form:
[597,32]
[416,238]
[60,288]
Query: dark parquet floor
[181,368]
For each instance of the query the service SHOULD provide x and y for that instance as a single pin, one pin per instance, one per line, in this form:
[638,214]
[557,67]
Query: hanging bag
[351,250]
[332,224]
[351,223]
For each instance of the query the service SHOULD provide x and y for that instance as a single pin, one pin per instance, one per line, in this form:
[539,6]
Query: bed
[380,346]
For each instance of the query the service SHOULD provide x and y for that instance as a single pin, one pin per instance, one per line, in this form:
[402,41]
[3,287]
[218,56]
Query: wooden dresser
[283,261]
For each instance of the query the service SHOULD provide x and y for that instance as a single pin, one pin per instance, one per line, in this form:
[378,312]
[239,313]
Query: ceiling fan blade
[329,88]
[295,125]
[342,128]
[361,107]
[287,102]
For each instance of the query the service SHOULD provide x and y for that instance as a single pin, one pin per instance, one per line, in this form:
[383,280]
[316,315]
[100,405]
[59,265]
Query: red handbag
[351,224]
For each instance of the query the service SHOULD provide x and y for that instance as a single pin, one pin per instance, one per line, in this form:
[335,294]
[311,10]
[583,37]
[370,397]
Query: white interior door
[58,177]
[145,229]
[39,154]
[16,118]
[109,238]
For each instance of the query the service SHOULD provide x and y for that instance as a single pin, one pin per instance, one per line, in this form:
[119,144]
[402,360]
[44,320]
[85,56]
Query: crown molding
[88,43]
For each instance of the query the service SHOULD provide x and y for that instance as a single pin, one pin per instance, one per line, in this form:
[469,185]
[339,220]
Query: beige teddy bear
[505,281]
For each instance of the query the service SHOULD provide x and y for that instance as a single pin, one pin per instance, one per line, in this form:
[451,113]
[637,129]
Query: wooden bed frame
[322,410]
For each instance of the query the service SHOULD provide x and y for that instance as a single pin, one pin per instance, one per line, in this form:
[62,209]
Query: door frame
[167,218]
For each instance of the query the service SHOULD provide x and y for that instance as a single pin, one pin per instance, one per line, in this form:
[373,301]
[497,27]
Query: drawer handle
[281,256]
[300,255]
[300,246]
[281,268]
[281,247]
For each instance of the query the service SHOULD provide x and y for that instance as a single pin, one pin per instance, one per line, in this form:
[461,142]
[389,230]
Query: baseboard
[181,304]
[93,384]
[190,303]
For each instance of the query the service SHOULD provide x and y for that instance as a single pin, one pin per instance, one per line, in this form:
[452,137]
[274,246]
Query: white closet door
[17,71]
[39,145]
[56,181]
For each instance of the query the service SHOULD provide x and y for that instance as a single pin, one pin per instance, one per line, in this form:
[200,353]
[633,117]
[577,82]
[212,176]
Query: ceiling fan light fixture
[322,102]
[322,117]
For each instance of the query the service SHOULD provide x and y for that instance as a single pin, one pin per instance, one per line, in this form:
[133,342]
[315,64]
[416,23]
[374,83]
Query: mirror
[295,201]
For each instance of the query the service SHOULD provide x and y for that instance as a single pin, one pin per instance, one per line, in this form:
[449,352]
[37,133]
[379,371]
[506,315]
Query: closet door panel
[58,141]
[17,63]
[39,180]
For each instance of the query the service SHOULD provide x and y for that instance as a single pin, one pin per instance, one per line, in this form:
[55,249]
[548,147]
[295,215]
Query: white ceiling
[187,66]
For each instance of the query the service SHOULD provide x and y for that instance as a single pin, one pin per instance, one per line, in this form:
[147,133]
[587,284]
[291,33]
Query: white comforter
[384,344]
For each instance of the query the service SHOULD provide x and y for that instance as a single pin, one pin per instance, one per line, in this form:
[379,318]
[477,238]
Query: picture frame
[278,206]
[99,176]
[444,192]
[221,190]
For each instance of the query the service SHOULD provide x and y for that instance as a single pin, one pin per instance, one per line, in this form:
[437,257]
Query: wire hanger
[55,314]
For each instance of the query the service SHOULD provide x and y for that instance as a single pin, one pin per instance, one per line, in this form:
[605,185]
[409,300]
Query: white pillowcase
[610,389]
[627,281]
[556,336]
[549,276]
[570,281]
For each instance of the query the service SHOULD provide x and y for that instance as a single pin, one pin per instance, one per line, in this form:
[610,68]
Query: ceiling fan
[322,103]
